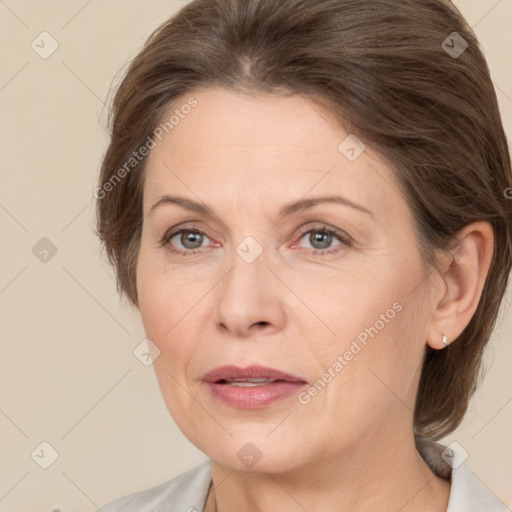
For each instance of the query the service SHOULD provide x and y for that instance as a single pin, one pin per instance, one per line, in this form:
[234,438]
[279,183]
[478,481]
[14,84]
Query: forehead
[230,143]
[226,120]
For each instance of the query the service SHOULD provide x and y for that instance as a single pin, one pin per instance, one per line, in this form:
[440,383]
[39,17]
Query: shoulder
[184,493]
[467,494]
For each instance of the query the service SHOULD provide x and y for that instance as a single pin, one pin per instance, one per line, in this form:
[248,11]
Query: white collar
[467,494]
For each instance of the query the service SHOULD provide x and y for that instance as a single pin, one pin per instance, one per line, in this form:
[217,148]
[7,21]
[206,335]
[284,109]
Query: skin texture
[351,447]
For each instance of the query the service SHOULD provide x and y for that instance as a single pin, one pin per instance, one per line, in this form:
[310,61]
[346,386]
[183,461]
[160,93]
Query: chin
[255,453]
[268,463]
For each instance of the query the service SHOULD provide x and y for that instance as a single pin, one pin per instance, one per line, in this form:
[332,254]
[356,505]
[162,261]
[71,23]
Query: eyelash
[343,238]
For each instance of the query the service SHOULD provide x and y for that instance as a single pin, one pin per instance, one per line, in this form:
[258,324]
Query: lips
[252,387]
[250,374]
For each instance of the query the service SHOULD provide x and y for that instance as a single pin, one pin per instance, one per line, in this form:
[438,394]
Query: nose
[250,298]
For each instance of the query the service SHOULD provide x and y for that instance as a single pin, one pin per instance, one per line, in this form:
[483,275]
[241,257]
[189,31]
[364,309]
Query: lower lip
[254,397]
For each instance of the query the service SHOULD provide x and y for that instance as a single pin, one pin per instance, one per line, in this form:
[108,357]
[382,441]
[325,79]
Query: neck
[389,477]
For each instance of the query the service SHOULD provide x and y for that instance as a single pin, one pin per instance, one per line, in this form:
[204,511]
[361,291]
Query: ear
[462,278]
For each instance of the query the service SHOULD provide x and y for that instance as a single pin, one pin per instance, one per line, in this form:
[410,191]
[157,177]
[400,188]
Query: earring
[444,341]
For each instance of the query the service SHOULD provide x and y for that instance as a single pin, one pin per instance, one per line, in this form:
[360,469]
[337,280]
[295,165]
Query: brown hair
[382,69]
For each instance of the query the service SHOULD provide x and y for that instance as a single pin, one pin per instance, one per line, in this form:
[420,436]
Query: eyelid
[325,227]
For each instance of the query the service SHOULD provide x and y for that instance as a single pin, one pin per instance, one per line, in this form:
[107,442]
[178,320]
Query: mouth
[251,375]
[252,387]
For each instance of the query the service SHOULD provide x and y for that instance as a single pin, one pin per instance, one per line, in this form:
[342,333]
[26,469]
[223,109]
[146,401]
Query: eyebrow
[288,209]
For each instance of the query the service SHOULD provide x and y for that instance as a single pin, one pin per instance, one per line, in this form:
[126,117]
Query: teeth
[249,384]
[251,380]
[246,383]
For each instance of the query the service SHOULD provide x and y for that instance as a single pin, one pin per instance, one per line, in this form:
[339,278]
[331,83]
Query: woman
[308,204]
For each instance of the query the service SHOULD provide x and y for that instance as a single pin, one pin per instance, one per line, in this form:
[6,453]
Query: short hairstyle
[398,76]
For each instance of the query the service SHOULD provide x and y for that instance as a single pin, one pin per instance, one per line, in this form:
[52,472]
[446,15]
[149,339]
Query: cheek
[354,308]
[372,386]
[157,294]
[386,368]
[376,351]
[164,319]
[166,306]
[153,306]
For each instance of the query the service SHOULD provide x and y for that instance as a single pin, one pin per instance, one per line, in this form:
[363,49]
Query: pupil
[317,237]
[189,236]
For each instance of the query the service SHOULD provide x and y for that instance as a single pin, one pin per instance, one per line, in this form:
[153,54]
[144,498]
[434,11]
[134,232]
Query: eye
[187,240]
[321,239]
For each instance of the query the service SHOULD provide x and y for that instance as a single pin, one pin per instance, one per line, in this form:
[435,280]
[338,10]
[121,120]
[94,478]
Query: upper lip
[253,371]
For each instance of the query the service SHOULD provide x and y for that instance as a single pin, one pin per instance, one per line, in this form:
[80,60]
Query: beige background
[68,375]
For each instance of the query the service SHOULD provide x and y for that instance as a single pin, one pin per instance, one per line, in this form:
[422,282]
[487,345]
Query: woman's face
[344,312]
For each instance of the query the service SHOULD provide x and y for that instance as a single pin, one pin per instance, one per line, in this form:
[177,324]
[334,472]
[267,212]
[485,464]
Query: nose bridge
[248,269]
[247,294]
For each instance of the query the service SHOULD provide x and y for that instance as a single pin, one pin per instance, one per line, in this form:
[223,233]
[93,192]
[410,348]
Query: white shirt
[187,492]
